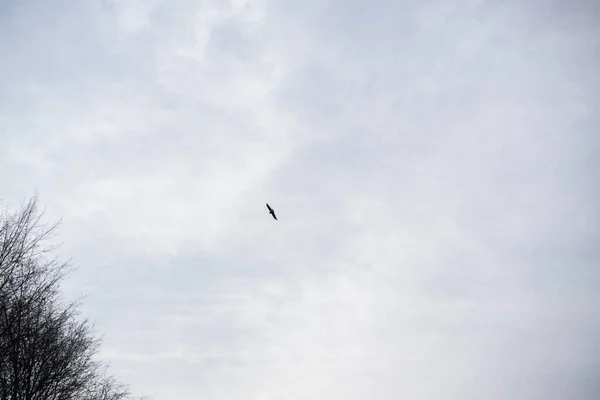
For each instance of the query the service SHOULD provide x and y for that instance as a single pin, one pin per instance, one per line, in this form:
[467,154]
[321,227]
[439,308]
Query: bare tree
[46,351]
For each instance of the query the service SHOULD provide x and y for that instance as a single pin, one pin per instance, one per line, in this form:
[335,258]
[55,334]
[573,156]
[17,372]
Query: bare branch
[46,351]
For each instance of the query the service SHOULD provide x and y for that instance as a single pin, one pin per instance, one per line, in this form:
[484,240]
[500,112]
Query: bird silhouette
[271,211]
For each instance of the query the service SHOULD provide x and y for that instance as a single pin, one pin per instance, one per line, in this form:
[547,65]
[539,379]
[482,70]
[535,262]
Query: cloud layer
[433,166]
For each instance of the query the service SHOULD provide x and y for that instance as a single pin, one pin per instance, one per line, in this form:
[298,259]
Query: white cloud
[432,166]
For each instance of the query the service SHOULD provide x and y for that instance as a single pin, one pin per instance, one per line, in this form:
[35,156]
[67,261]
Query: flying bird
[271,211]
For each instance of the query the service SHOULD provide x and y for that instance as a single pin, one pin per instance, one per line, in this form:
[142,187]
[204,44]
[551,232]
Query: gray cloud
[433,167]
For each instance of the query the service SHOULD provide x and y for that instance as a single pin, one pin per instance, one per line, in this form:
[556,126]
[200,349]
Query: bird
[271,211]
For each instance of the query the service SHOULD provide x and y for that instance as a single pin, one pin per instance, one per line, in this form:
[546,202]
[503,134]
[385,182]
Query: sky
[434,167]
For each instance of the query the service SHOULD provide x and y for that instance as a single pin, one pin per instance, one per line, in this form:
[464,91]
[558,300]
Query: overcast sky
[434,166]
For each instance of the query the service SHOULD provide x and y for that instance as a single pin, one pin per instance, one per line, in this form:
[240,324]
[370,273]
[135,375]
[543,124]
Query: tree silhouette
[46,351]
